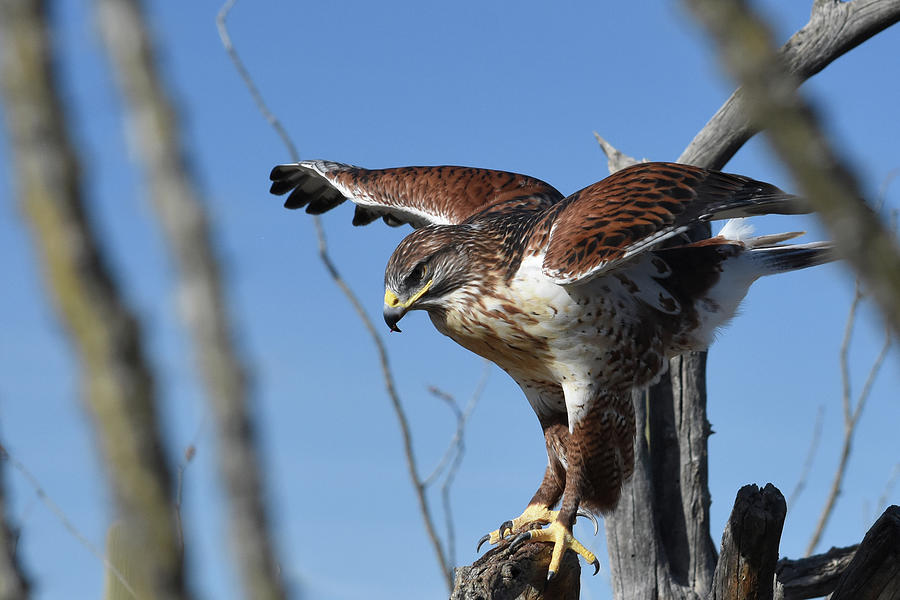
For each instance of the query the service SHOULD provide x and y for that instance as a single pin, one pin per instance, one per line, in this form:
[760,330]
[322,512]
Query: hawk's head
[426,267]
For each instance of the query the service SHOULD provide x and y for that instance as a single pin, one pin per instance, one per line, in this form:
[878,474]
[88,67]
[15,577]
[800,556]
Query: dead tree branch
[503,574]
[176,198]
[118,385]
[615,159]
[384,362]
[834,29]
[746,567]
[772,103]
[813,576]
[874,571]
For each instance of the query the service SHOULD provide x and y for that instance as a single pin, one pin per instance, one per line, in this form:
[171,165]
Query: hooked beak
[393,314]
[393,310]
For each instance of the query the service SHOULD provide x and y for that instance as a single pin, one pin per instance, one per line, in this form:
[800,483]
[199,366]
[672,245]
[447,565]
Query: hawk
[580,299]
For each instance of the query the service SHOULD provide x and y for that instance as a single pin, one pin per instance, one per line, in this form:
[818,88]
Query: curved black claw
[519,540]
[584,513]
[481,542]
[504,526]
[596,564]
[551,575]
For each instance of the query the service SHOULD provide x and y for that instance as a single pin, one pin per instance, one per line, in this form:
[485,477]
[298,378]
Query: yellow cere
[391,299]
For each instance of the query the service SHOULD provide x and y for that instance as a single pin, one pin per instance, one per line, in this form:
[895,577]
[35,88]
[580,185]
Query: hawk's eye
[417,274]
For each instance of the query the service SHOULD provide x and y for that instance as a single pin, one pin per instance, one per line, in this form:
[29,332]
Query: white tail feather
[739,230]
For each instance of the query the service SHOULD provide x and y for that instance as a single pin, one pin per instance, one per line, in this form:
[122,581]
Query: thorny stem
[387,373]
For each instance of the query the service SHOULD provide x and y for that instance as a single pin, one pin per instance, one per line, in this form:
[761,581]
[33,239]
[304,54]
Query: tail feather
[779,259]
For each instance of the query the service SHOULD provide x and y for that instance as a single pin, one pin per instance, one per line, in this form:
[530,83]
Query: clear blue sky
[512,85]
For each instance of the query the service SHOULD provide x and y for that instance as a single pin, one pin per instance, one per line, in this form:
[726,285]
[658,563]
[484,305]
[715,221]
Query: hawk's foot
[534,516]
[534,513]
[563,540]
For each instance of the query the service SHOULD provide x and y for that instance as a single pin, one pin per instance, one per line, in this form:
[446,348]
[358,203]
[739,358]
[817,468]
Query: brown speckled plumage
[580,299]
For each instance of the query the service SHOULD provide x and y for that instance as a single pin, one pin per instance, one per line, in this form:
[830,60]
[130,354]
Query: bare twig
[384,362]
[810,457]
[270,118]
[852,413]
[62,517]
[456,449]
[462,417]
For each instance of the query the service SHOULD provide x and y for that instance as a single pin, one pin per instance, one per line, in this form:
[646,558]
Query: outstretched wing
[415,195]
[639,207]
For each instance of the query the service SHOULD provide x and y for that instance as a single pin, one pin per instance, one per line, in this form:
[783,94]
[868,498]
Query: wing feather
[414,195]
[637,208]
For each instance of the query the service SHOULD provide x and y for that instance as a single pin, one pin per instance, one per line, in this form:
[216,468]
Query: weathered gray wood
[874,572]
[814,576]
[638,561]
[834,29]
[746,568]
[691,427]
[503,574]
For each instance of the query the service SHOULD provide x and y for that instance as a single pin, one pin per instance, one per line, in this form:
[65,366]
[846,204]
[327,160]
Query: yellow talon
[534,513]
[562,540]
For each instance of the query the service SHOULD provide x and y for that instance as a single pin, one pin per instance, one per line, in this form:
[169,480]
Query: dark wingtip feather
[293,202]
[363,216]
[284,178]
[298,198]
[281,187]
[277,172]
